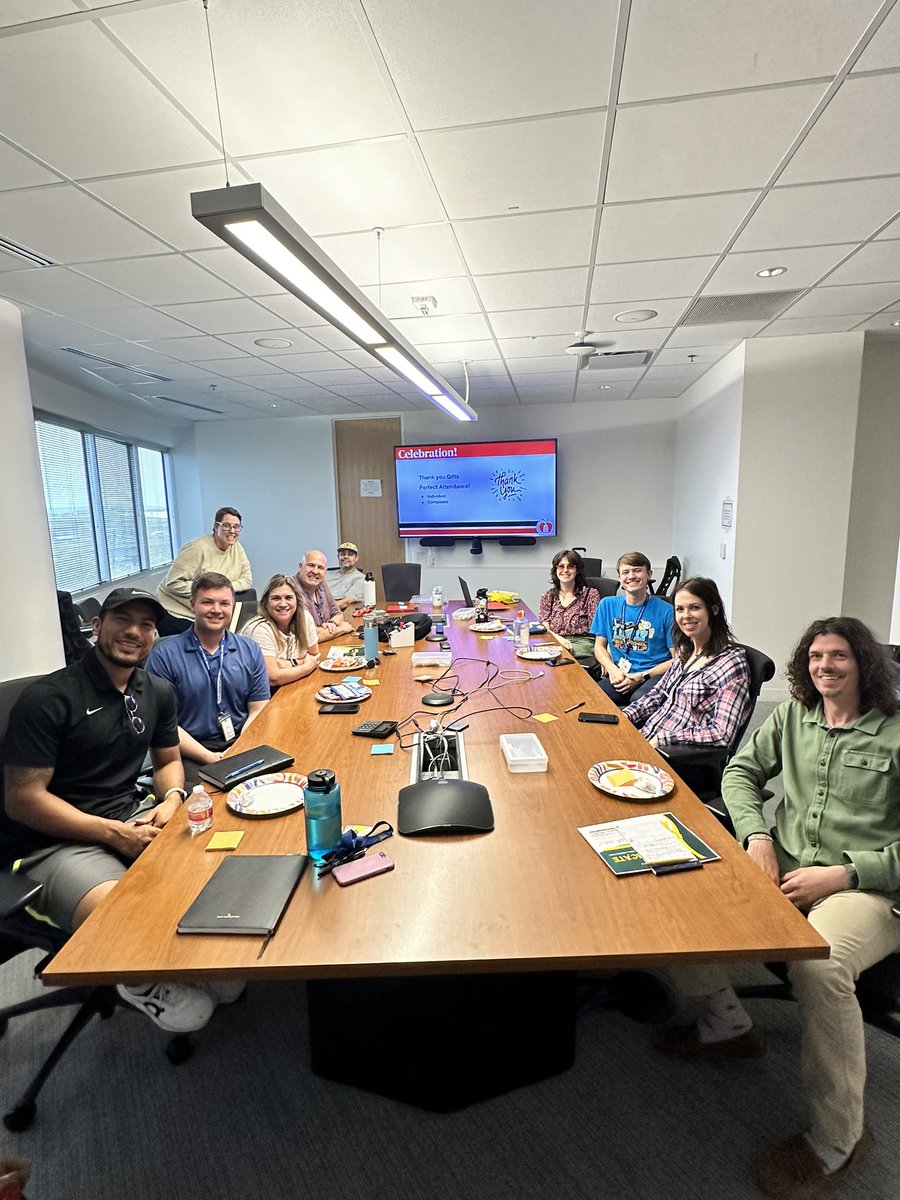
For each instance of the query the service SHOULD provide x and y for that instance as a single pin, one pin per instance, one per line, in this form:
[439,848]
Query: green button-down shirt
[841,792]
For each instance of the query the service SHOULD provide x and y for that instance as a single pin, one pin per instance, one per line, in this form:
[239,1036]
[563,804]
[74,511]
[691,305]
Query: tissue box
[404,636]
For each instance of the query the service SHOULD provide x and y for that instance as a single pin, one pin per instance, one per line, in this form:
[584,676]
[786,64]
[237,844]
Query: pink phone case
[362,868]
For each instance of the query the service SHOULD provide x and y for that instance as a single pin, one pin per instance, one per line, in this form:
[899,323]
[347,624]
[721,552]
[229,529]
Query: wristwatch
[180,791]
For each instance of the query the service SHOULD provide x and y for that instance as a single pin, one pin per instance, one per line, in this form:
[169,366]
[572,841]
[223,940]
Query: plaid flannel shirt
[703,707]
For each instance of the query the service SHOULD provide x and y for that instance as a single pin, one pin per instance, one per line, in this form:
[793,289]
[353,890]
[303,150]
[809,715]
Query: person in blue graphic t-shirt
[632,633]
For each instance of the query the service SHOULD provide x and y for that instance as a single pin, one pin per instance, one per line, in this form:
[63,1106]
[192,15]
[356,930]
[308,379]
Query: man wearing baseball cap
[347,582]
[73,752]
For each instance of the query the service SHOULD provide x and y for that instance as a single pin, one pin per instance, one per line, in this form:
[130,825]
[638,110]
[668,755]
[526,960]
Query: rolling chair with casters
[401,581]
[670,579]
[20,932]
[606,587]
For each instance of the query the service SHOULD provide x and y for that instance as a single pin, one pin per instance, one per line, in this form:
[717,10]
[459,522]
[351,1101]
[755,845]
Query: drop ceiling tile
[837,301]
[64,224]
[300,342]
[613,374]
[470,351]
[223,316]
[657,229]
[15,12]
[660,389]
[702,354]
[161,279]
[468,327]
[297,314]
[532,289]
[58,290]
[590,390]
[710,46]
[735,141]
[528,242]
[195,349]
[334,406]
[322,360]
[389,404]
[456,80]
[792,326]
[259,47]
[244,365]
[12,262]
[553,364]
[121,375]
[738,272]
[120,120]
[677,371]
[57,331]
[602,317]
[453,371]
[534,347]
[524,166]
[17,170]
[452,296]
[547,398]
[883,52]
[296,389]
[135,324]
[534,322]
[332,379]
[635,338]
[878,262]
[238,271]
[821,214]
[325,337]
[671,277]
[133,354]
[320,188]
[493,400]
[884,321]
[410,253]
[556,381]
[262,382]
[834,147]
[735,331]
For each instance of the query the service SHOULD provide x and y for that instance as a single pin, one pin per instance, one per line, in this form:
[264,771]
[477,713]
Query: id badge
[624,664]
[227,727]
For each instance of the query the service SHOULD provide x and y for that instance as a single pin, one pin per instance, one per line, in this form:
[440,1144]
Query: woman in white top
[285,633]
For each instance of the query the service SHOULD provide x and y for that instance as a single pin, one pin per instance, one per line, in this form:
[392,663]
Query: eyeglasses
[137,723]
[230,528]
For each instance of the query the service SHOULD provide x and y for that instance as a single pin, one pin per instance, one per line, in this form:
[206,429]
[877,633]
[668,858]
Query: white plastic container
[523,752]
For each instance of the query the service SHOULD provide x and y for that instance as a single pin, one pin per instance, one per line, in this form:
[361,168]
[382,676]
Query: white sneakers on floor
[225,991]
[175,1007]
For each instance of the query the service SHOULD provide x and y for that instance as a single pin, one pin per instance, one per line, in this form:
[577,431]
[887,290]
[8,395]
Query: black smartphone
[341,706]
[561,662]
[599,718]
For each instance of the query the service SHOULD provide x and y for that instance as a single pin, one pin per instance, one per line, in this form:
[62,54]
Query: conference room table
[473,940]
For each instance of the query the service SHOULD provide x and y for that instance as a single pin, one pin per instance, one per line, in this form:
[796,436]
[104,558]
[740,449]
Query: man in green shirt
[835,852]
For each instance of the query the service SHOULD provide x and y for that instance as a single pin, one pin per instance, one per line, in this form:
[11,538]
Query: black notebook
[229,772]
[247,894]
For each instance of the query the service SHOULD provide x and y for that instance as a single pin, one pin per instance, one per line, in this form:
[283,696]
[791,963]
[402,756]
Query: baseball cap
[352,546]
[120,596]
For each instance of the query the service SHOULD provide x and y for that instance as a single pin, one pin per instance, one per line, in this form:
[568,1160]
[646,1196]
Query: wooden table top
[531,895]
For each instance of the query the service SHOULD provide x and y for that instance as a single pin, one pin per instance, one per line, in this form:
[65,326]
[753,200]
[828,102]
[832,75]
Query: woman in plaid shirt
[704,695]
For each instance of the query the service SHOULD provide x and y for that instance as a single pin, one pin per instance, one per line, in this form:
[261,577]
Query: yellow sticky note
[486,637]
[372,682]
[545,717]
[224,841]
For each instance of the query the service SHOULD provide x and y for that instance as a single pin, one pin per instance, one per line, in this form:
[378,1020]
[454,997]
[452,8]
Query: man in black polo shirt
[75,746]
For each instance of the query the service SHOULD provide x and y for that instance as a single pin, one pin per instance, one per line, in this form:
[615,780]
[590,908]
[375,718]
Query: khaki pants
[861,930]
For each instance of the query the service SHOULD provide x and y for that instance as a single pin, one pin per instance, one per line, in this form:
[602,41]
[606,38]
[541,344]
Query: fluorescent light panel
[250,221]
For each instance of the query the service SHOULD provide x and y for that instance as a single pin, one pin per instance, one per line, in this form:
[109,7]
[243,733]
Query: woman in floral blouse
[568,607]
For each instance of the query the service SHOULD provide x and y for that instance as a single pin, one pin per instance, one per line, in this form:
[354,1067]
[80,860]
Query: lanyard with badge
[624,663]
[225,723]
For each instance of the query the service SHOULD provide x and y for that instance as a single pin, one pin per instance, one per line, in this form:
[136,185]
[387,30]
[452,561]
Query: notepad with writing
[247,894]
[229,772]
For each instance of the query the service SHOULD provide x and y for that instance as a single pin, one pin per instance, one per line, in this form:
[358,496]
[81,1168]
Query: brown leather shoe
[683,1041]
[793,1171]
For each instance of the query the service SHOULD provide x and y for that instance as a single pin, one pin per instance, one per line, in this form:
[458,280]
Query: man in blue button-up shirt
[835,852]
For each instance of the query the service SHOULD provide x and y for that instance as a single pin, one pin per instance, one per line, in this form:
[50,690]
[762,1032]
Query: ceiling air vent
[606,359]
[111,362]
[23,252]
[186,404]
[748,306]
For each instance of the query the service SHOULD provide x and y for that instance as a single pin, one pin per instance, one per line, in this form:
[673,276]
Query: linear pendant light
[249,220]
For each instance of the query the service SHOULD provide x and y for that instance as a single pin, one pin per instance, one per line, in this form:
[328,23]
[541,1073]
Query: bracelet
[758,837]
[180,791]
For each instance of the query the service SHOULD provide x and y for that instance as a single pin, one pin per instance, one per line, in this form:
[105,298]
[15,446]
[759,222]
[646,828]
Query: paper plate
[539,653]
[348,662]
[343,693]
[650,783]
[487,627]
[267,795]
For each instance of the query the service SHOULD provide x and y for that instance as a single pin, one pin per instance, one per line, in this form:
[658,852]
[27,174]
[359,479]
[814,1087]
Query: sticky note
[387,748]
[224,841]
[372,682]
[486,637]
[620,778]
[352,678]
[545,717]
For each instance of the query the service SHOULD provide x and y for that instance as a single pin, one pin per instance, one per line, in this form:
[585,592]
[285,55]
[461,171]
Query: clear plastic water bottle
[522,631]
[199,810]
[437,598]
[322,801]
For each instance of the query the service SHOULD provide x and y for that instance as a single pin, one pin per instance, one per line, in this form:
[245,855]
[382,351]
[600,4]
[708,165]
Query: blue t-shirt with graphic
[640,633]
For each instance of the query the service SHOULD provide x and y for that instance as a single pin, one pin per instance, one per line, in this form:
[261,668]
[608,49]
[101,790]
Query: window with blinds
[107,503]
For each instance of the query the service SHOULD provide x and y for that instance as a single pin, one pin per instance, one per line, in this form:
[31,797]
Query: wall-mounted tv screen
[477,489]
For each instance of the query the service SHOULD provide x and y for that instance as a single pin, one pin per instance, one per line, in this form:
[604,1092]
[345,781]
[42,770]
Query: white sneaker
[176,1007]
[224,991]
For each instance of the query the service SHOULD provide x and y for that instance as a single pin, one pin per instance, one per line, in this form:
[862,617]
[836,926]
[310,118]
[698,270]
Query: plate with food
[487,627]
[628,780]
[341,693]
[267,795]
[539,653]
[348,661]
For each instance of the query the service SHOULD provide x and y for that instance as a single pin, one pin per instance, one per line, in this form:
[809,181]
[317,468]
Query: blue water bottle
[370,637]
[322,800]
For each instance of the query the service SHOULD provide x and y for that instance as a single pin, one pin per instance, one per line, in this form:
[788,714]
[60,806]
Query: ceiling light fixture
[770,272]
[605,387]
[633,316]
[248,219]
[895,323]
[273,343]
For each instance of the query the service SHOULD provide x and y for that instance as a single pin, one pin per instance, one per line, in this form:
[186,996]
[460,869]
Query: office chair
[20,932]
[669,581]
[606,587]
[245,607]
[401,580]
[89,607]
[75,643]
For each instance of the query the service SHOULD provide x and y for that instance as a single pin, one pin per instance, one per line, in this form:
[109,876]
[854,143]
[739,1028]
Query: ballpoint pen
[580,704]
[247,767]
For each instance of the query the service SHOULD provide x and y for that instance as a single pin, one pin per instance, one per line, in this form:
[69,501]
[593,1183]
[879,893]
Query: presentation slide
[477,489]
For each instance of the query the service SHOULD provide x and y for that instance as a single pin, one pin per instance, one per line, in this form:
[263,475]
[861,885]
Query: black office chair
[606,587]
[20,932]
[75,643]
[401,581]
[89,607]
[245,607]
[669,581]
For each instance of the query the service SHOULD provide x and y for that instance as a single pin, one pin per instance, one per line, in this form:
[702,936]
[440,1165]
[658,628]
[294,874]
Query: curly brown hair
[876,683]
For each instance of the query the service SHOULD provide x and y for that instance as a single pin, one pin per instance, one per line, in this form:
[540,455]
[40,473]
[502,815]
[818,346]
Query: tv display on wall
[477,489]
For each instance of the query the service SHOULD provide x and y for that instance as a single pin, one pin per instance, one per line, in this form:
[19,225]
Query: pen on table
[580,704]
[247,767]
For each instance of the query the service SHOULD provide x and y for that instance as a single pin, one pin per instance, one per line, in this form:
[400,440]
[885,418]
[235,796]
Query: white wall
[279,474]
[614,489]
[707,455]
